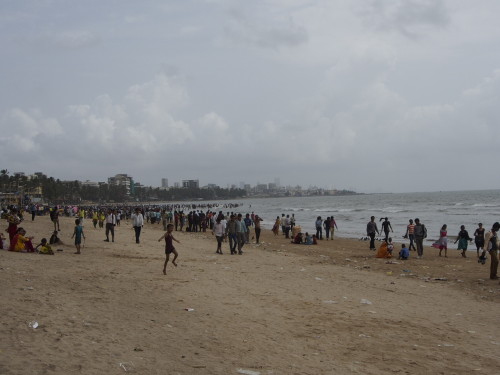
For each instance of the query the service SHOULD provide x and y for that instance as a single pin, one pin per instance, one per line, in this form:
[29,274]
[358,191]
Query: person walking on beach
[319,228]
[443,241]
[333,226]
[231,234]
[137,223]
[492,244]
[110,225]
[410,234]
[169,247]
[54,216]
[248,223]
[326,225]
[78,235]
[386,227]
[479,238]
[371,230]
[241,230]
[256,222]
[276,227]
[218,230]
[462,238]
[420,232]
[287,226]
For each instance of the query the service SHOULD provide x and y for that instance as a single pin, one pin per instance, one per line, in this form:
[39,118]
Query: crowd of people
[232,227]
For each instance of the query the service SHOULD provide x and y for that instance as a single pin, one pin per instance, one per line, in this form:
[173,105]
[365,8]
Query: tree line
[55,191]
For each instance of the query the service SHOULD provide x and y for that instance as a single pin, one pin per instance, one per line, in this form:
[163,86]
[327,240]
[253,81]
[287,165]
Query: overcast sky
[372,95]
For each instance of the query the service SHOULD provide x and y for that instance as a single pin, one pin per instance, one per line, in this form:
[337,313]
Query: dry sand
[277,309]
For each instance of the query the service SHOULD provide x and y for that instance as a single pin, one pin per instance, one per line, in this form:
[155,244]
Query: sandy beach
[277,309]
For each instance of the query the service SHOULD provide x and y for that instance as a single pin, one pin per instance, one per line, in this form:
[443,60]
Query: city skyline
[371,96]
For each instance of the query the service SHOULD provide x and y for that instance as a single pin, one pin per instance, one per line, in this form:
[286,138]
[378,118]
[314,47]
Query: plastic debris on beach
[446,345]
[33,324]
[189,309]
[330,301]
[126,366]
[389,273]
[365,302]
[440,279]
[363,335]
[318,278]
[247,372]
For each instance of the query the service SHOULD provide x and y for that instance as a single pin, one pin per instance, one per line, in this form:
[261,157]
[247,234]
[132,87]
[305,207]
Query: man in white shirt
[137,223]
[110,225]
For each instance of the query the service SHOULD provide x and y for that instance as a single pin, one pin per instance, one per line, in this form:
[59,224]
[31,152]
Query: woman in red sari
[13,221]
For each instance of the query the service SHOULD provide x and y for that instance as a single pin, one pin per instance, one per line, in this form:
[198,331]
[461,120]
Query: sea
[352,212]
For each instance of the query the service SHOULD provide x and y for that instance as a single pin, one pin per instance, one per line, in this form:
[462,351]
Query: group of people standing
[416,232]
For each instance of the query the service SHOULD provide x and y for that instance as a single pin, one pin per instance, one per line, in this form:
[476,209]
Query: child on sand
[390,246]
[54,239]
[45,248]
[404,254]
[308,239]
[443,241]
[78,234]
[169,247]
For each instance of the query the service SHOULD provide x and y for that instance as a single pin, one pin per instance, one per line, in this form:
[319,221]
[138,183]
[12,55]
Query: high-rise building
[191,184]
[122,180]
[164,182]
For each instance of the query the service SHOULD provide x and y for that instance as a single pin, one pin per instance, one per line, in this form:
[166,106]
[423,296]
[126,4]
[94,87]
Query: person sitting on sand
[382,251]
[308,239]
[22,243]
[45,248]
[390,246]
[314,239]
[404,253]
[54,239]
[169,247]
[298,238]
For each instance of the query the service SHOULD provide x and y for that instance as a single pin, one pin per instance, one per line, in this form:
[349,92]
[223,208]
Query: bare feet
[175,264]
[164,271]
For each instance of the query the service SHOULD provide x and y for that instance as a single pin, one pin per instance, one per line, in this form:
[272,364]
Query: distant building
[122,180]
[90,183]
[177,185]
[191,184]
[164,182]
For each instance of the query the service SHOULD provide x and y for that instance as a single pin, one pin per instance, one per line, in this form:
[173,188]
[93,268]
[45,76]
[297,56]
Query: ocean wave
[296,209]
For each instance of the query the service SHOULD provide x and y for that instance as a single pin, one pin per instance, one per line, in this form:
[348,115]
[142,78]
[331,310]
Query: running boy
[78,234]
[169,246]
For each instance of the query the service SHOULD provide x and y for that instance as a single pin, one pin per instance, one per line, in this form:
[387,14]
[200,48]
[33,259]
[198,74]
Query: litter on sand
[365,301]
[33,324]
[247,372]
[189,309]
